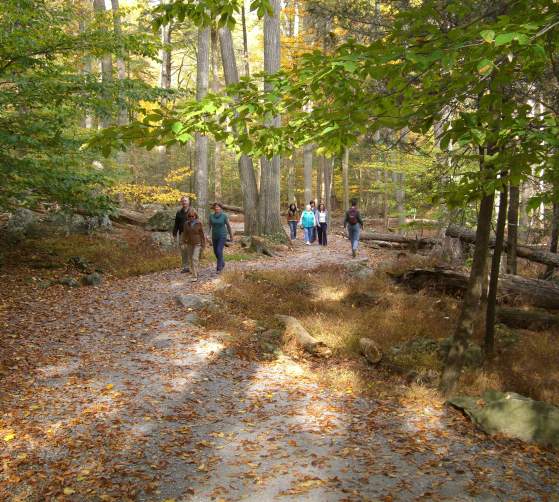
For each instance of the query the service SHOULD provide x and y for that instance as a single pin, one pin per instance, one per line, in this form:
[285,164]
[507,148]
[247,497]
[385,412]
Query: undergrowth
[338,309]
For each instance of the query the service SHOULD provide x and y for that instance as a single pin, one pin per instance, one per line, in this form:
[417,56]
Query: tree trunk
[319,179]
[217,168]
[414,242]
[290,180]
[328,172]
[246,169]
[489,341]
[202,85]
[345,175]
[470,305]
[245,39]
[512,228]
[122,118]
[553,239]
[400,199]
[307,168]
[106,71]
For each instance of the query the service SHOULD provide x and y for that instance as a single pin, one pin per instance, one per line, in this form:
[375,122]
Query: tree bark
[269,201]
[217,168]
[489,341]
[328,172]
[319,179]
[535,320]
[122,118]
[295,331]
[307,172]
[246,168]
[202,85]
[345,175]
[245,39]
[106,71]
[400,195]
[512,228]
[469,312]
[553,239]
[413,241]
[290,180]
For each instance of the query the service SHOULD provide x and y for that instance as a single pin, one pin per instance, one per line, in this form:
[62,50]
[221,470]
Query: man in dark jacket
[180,219]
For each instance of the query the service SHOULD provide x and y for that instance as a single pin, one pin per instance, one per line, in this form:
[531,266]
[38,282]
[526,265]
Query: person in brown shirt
[194,240]
[292,220]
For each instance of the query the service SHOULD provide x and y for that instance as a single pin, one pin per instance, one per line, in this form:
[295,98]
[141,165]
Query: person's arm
[176,228]
[346,219]
[229,229]
[202,236]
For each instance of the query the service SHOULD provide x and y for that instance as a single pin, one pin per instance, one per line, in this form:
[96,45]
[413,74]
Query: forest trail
[119,397]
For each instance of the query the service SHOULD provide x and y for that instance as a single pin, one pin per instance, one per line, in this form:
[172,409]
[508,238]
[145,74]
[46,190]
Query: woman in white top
[322,217]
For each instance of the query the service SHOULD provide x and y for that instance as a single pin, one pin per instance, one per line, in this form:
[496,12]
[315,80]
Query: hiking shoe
[185,270]
[194,279]
[353,253]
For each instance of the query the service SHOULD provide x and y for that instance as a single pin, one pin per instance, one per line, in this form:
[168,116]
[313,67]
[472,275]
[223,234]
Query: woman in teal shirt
[219,225]
[308,222]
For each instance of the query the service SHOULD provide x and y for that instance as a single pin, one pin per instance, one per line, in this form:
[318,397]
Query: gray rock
[512,415]
[192,318]
[473,356]
[194,301]
[162,221]
[21,222]
[93,279]
[69,281]
[163,239]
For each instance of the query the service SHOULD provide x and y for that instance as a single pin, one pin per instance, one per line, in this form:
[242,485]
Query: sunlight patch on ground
[327,293]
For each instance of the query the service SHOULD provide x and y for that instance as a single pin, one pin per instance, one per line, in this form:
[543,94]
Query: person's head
[292,207]
[353,202]
[311,203]
[217,207]
[308,208]
[192,214]
[185,201]
[321,207]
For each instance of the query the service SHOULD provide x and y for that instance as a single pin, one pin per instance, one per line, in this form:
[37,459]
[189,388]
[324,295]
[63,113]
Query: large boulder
[64,222]
[164,240]
[22,222]
[162,221]
[512,415]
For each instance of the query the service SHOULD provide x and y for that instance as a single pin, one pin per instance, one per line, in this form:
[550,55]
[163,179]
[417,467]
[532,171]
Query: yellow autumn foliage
[149,194]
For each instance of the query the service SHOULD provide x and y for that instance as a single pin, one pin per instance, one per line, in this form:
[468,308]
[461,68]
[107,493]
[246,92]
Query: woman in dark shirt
[219,225]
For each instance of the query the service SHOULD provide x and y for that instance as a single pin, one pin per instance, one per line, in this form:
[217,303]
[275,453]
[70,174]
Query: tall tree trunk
[106,71]
[246,169]
[245,39]
[489,342]
[307,172]
[512,228]
[328,171]
[345,175]
[202,85]
[319,179]
[217,168]
[269,202]
[470,305]
[526,191]
[400,196]
[290,180]
[122,118]
[87,70]
[553,239]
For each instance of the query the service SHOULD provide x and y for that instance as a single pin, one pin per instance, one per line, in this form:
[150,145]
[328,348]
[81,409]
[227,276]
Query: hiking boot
[353,253]
[185,270]
[194,279]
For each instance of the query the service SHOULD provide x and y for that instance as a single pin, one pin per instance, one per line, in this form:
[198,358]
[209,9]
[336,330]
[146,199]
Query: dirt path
[118,397]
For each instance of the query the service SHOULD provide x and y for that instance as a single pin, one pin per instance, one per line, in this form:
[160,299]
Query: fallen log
[526,319]
[295,331]
[528,253]
[130,217]
[232,209]
[416,242]
[536,292]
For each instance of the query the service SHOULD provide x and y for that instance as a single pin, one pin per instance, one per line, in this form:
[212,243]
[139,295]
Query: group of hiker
[313,220]
[190,232]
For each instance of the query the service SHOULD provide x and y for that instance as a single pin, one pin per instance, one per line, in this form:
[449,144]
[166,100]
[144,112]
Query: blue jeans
[218,245]
[293,229]
[308,233]
[353,232]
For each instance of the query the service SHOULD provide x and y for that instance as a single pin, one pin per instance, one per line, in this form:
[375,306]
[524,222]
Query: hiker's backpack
[352,216]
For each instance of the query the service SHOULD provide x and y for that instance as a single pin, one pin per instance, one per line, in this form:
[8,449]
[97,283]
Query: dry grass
[119,254]
[338,309]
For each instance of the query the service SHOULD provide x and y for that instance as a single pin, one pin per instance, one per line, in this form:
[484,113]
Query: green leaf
[484,66]
[488,35]
[504,39]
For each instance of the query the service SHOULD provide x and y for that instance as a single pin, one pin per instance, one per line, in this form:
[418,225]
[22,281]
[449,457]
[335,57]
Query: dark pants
[218,245]
[313,234]
[322,237]
[293,229]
